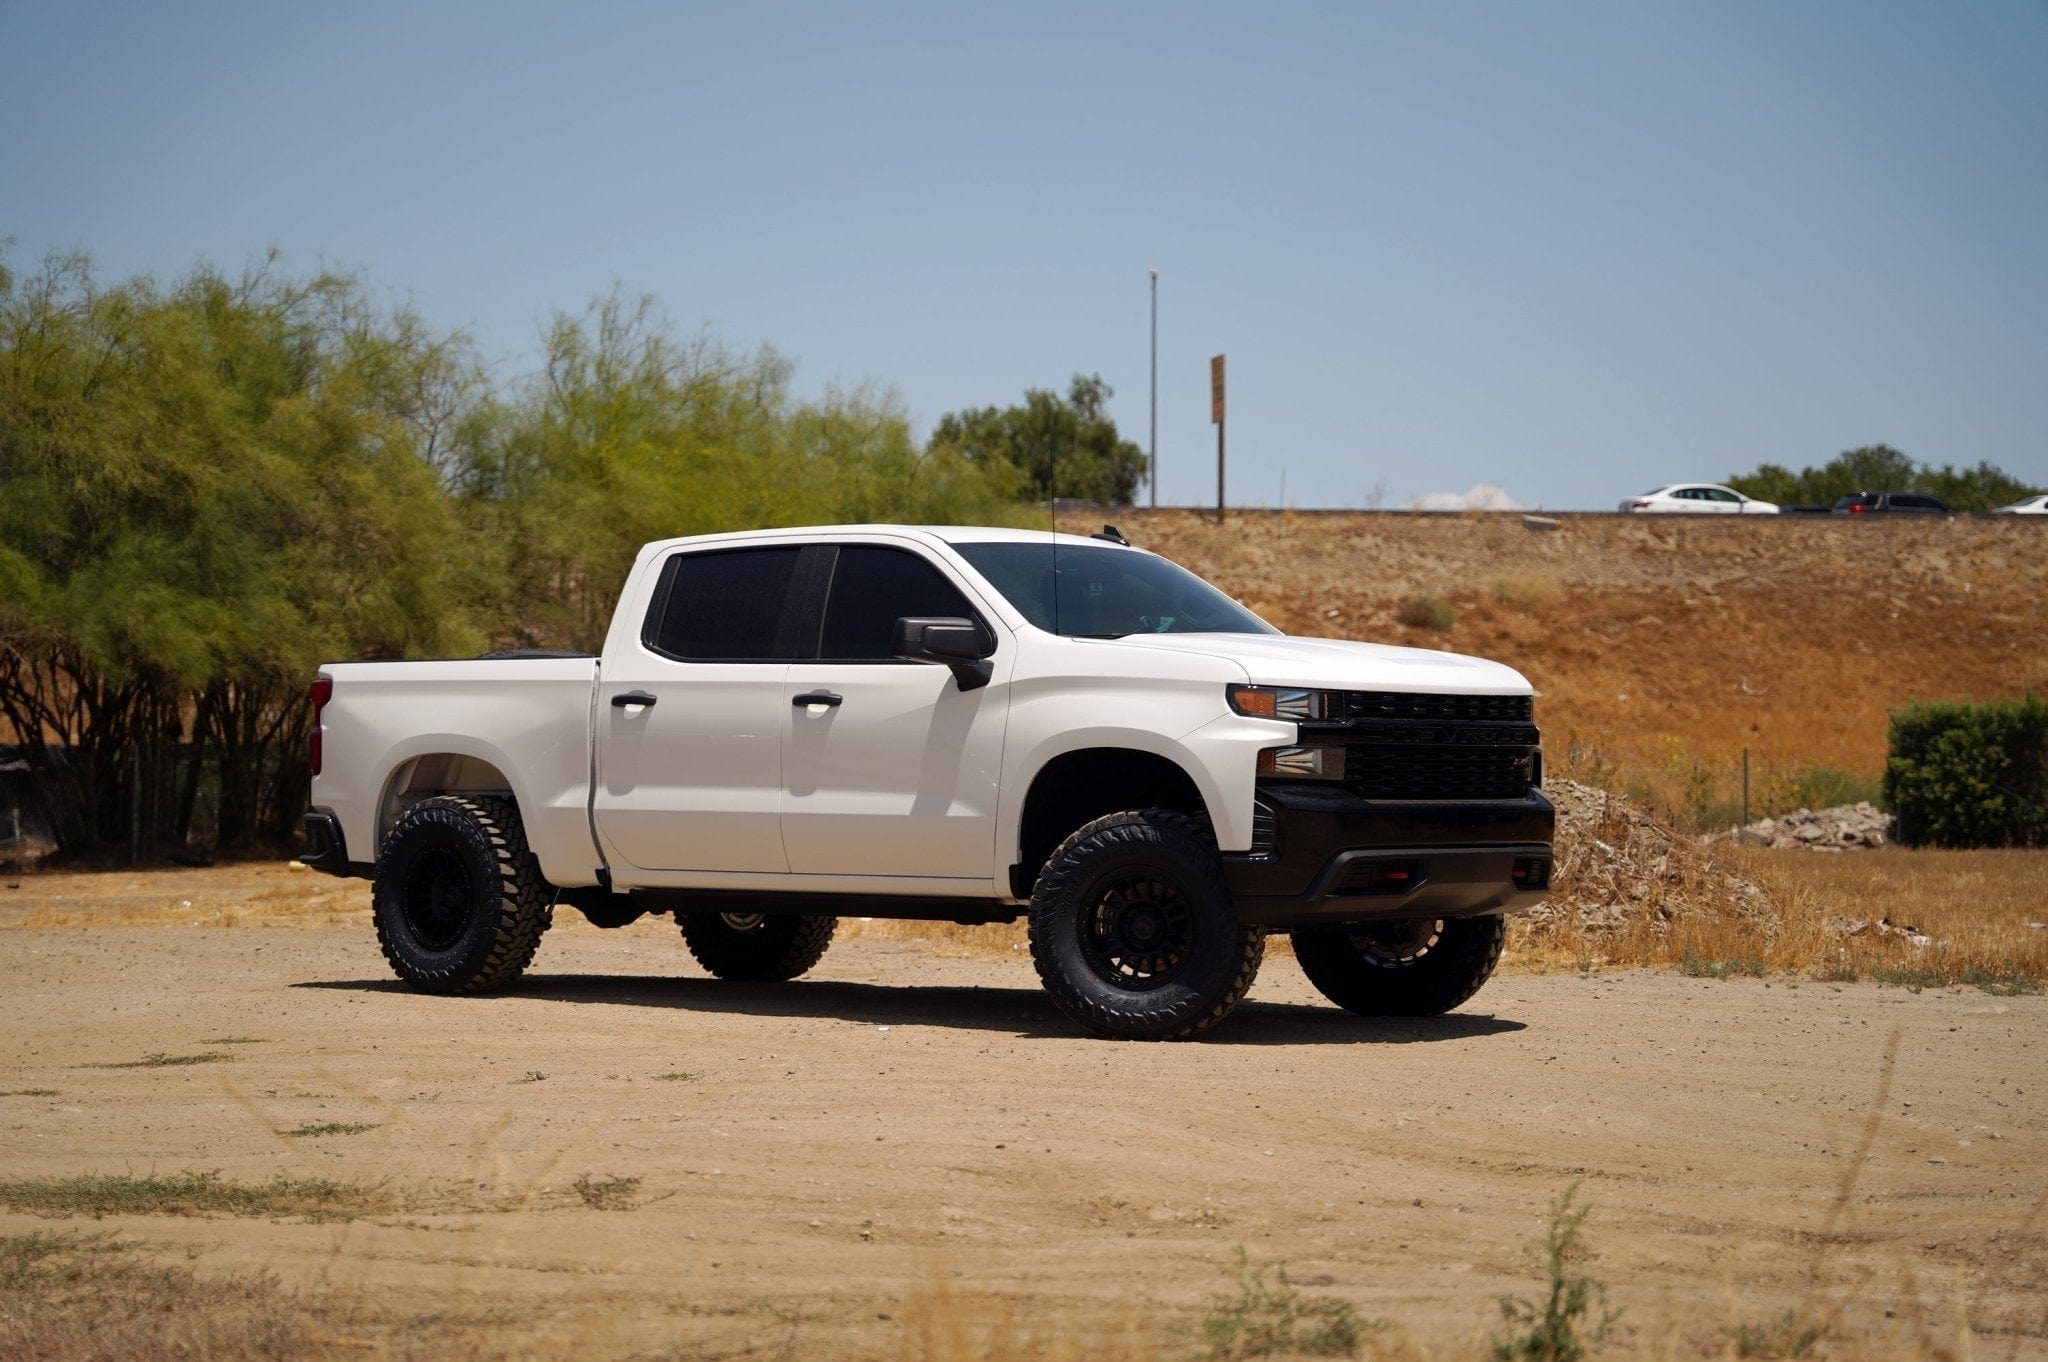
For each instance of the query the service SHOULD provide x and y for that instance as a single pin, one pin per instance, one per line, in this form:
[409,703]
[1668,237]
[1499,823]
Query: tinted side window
[722,606]
[874,587]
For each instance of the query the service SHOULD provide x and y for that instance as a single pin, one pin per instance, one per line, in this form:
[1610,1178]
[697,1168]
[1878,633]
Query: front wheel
[1412,967]
[756,947]
[1132,930]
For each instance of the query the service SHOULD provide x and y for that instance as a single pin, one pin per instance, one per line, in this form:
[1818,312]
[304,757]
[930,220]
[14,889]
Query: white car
[1698,498]
[956,725]
[2033,505]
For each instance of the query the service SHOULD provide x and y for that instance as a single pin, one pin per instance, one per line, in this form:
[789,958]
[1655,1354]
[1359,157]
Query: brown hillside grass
[1662,646]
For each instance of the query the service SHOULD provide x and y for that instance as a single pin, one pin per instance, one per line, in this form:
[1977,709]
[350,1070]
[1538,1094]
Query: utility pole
[1216,415]
[1154,480]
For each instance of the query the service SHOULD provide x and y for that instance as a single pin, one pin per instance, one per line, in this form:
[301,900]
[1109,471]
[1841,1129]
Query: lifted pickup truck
[967,725]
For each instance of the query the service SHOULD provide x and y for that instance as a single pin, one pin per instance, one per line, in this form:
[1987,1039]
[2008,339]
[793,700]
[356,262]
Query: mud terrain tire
[756,947]
[1132,929]
[1401,969]
[459,901]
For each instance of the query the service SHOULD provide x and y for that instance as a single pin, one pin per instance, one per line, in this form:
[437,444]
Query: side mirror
[947,641]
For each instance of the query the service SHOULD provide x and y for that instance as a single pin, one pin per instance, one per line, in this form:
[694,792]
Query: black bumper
[326,850]
[1326,855]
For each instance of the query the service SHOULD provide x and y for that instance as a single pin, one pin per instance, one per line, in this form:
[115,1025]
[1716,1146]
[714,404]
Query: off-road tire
[1353,967]
[756,947]
[1132,929]
[459,900]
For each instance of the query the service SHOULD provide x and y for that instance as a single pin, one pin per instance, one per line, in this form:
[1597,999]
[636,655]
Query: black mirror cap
[946,640]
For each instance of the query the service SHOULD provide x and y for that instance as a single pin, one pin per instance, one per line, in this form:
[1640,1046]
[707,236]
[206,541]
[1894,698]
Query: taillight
[1641,505]
[1858,509]
[320,692]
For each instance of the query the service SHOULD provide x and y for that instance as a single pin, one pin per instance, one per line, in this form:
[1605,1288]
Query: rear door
[889,767]
[690,718]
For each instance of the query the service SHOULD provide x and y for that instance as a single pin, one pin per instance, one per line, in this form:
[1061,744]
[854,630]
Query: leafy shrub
[1267,1317]
[1425,612]
[1965,774]
[1572,1319]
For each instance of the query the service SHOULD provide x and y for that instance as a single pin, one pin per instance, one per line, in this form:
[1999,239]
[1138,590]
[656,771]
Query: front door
[889,767]
[690,720]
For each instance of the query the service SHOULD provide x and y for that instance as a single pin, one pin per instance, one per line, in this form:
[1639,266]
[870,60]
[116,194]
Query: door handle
[818,697]
[632,697]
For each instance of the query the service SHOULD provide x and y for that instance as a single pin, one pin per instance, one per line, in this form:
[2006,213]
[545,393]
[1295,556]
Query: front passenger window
[873,587]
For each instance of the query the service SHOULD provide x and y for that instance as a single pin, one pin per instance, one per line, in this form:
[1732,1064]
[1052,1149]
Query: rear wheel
[1132,930]
[756,947]
[459,901]
[1411,967]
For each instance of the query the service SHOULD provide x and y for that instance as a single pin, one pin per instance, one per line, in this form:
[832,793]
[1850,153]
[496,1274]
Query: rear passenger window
[722,607]
[874,587]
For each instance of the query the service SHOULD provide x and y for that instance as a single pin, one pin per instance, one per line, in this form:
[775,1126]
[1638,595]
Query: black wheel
[756,947]
[1413,967]
[459,900]
[1132,929]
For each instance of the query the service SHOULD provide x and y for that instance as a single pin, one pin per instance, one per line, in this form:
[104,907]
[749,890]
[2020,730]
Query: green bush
[1425,612]
[1965,774]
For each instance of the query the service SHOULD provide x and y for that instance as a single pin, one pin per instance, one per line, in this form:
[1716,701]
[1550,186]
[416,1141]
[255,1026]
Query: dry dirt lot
[908,1153]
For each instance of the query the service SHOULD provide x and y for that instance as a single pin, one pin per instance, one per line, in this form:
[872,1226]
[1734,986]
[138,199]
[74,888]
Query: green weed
[1572,1319]
[334,1128]
[1272,1316]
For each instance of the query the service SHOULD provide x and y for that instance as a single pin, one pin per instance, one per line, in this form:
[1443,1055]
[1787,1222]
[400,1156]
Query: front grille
[1414,771]
[1390,704]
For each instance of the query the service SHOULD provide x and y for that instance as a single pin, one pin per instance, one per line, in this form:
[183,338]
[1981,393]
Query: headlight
[1271,702]
[1302,763]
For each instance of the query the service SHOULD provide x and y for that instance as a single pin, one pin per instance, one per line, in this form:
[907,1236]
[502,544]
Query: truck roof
[947,534]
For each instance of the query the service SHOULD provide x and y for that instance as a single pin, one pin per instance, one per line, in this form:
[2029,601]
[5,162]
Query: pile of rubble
[1846,827]
[1618,869]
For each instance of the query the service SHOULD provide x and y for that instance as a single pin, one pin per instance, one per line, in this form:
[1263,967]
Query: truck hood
[1339,664]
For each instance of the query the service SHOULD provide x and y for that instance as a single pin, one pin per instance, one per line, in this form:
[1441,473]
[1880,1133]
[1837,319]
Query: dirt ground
[828,1167]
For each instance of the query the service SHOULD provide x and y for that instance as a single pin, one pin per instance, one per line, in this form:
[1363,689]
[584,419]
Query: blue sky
[1570,250]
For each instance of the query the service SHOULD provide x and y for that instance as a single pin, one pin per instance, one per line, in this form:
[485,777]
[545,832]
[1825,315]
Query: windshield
[1107,593]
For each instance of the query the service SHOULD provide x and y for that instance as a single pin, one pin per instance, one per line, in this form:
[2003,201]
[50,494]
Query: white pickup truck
[967,725]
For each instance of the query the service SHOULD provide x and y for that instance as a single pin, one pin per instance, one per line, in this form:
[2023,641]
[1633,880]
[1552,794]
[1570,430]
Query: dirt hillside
[1662,645]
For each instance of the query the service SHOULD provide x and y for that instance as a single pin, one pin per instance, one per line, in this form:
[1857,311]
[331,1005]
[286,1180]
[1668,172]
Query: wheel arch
[424,774]
[1081,784]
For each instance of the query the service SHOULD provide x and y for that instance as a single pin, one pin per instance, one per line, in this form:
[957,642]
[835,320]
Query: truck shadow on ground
[1023,1012]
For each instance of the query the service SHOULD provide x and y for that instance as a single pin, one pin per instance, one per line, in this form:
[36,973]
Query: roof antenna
[1112,534]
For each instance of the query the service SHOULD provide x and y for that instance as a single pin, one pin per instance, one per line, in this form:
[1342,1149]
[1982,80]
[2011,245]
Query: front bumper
[1325,856]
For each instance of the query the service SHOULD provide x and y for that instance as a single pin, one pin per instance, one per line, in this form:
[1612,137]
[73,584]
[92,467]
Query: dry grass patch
[160,1060]
[1978,910]
[248,894]
[88,1298]
[193,1194]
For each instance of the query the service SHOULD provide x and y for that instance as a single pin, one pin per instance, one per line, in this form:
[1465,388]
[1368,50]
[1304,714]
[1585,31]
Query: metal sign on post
[1216,415]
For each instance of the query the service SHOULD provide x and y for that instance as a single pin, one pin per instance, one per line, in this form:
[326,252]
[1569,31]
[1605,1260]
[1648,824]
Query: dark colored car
[1891,503]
